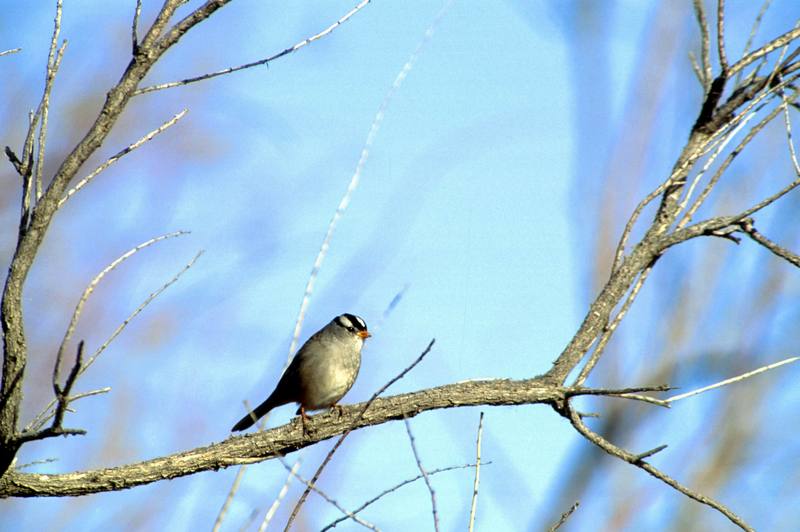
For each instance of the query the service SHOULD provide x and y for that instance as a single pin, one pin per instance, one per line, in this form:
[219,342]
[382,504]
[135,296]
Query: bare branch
[328,498]
[377,121]
[76,314]
[41,417]
[752,36]
[63,399]
[11,51]
[62,394]
[608,330]
[723,58]
[705,43]
[634,459]
[34,225]
[774,44]
[281,494]
[116,157]
[424,475]
[474,505]
[749,230]
[53,63]
[260,62]
[135,28]
[358,419]
[397,487]
[563,519]
[269,444]
[738,378]
[232,493]
[751,134]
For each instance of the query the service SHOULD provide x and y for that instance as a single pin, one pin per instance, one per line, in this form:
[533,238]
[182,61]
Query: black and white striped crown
[351,322]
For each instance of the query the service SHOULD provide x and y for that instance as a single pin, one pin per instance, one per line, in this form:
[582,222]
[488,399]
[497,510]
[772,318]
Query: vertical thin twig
[43,415]
[375,127]
[705,44]
[53,62]
[424,474]
[394,488]
[333,502]
[723,58]
[608,331]
[135,31]
[273,509]
[477,482]
[229,499]
[752,36]
[87,292]
[344,435]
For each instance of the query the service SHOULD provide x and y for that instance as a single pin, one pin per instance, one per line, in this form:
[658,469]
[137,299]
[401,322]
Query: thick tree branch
[32,233]
[282,440]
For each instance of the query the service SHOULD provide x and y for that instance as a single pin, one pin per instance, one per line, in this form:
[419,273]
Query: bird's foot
[338,409]
[304,421]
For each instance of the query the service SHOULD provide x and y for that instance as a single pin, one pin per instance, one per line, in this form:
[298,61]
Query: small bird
[322,371]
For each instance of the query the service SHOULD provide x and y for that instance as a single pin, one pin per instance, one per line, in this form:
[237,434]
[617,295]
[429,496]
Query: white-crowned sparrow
[321,372]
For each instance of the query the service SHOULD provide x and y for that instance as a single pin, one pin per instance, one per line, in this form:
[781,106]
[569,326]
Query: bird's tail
[261,410]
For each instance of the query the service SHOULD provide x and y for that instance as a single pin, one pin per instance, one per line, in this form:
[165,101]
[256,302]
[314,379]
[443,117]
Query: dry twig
[395,488]
[474,505]
[424,474]
[360,415]
[563,519]
[260,62]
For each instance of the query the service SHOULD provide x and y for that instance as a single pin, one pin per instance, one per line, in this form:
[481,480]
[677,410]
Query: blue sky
[466,205]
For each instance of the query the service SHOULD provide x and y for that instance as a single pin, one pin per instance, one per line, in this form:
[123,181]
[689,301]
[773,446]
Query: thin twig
[738,378]
[723,58]
[395,488]
[62,400]
[273,509]
[141,307]
[424,475]
[11,51]
[348,514]
[720,146]
[377,121]
[473,507]
[787,122]
[91,393]
[753,31]
[633,459]
[701,198]
[260,62]
[122,326]
[87,292]
[608,331]
[135,30]
[705,43]
[116,157]
[62,393]
[338,443]
[774,44]
[563,519]
[53,62]
[35,463]
[749,230]
[237,480]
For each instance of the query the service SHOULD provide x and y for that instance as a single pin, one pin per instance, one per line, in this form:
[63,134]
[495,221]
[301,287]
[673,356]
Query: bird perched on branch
[322,371]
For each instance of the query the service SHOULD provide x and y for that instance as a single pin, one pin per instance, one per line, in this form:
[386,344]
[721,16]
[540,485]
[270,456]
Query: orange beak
[363,334]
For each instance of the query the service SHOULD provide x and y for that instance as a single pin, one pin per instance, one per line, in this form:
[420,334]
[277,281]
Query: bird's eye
[351,329]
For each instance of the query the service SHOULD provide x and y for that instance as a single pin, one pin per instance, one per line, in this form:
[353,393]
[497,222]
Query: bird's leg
[337,408]
[304,420]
